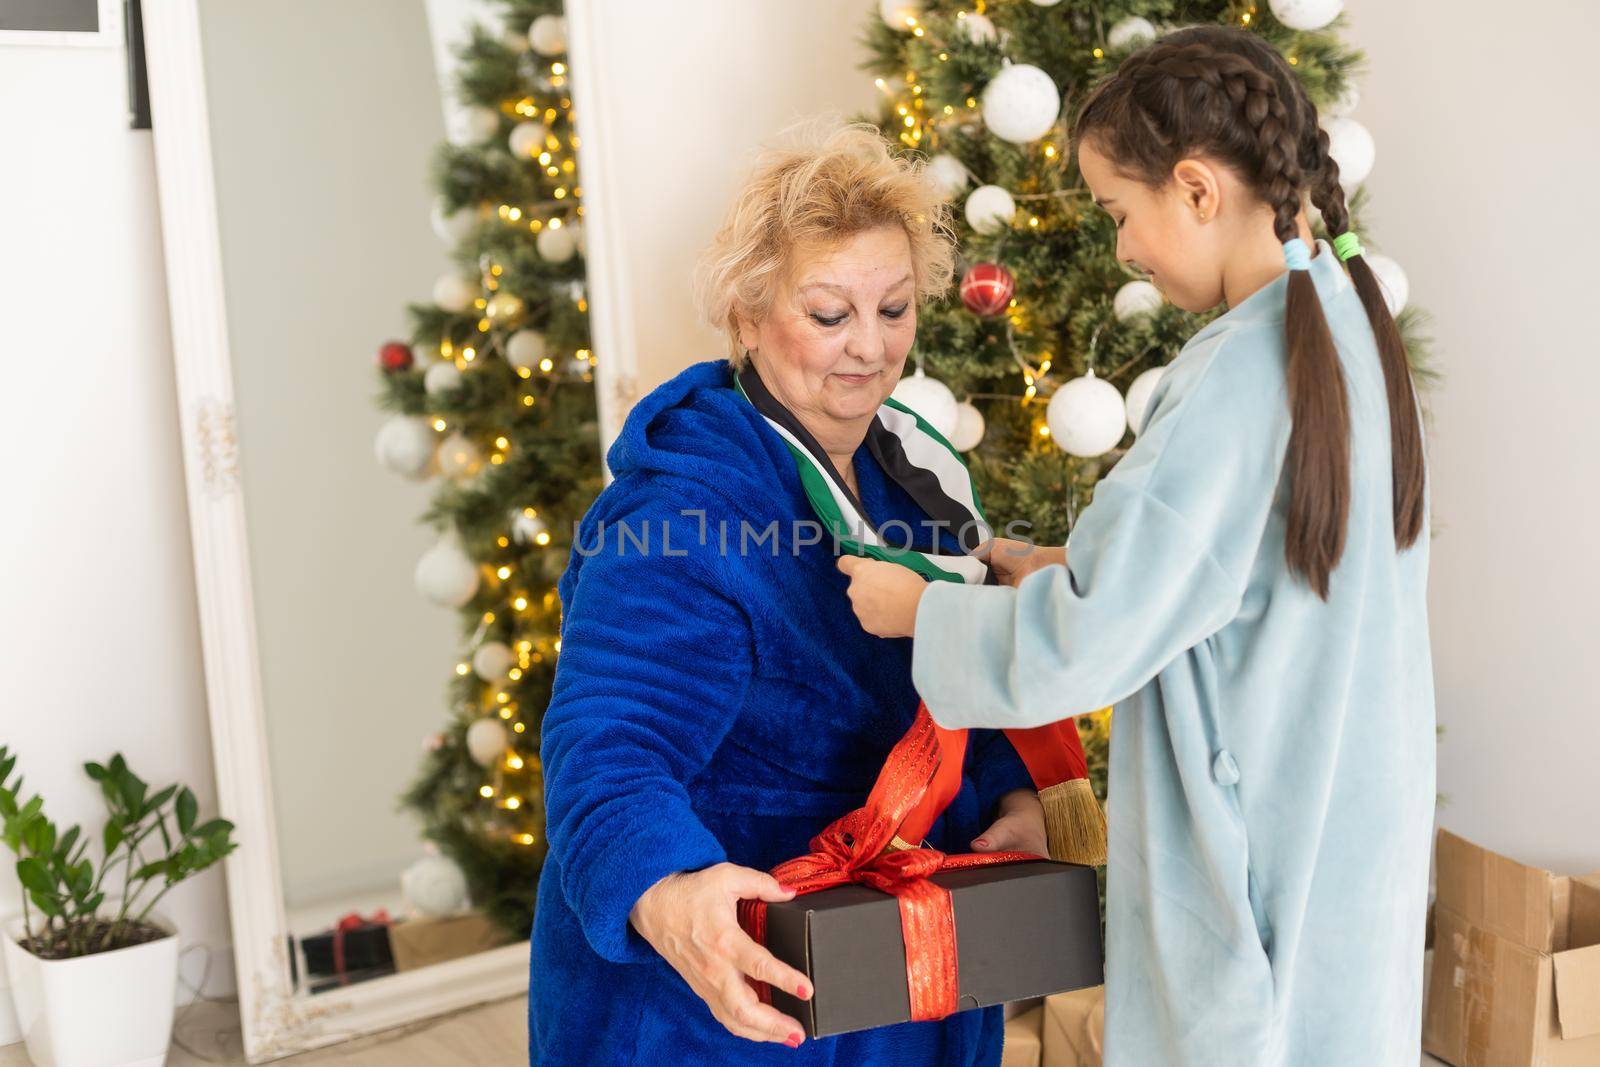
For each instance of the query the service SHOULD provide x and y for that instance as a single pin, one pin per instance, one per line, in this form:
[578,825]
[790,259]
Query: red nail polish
[803,991]
[980,843]
[794,1040]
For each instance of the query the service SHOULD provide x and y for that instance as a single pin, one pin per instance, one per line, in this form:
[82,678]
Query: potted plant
[94,974]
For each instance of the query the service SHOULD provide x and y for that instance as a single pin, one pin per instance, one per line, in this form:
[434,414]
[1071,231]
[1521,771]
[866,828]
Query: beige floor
[494,1035]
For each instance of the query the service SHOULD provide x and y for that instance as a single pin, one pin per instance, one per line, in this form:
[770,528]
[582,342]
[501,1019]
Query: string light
[486,791]
[462,669]
[504,573]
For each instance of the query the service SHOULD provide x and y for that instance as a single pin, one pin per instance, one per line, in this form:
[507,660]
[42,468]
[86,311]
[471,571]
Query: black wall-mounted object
[138,84]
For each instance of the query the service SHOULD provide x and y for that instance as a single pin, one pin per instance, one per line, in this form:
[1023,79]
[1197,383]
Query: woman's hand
[1013,561]
[1019,827]
[692,920]
[884,595]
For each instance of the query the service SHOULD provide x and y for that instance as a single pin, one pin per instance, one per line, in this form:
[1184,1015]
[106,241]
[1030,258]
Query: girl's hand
[692,919]
[1019,827]
[884,595]
[1013,561]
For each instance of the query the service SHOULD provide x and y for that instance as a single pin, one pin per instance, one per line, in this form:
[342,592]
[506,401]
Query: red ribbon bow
[853,850]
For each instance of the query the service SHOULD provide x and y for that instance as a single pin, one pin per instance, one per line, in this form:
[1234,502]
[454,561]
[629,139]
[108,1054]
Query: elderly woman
[717,704]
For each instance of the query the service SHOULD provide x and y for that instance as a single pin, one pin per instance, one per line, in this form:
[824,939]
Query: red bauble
[394,356]
[987,289]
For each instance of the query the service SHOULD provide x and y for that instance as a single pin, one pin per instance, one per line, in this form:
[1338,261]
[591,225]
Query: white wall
[99,641]
[677,130]
[1487,150]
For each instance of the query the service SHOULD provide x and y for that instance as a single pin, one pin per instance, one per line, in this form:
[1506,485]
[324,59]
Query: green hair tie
[1348,245]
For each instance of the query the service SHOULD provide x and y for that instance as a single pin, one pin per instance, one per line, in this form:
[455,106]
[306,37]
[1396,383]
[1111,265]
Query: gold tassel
[1074,823]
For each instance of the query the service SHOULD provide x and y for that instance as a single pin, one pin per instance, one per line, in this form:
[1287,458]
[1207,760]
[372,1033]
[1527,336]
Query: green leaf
[94,771]
[150,870]
[82,879]
[187,810]
[113,836]
[34,831]
[93,903]
[211,826]
[132,789]
[46,903]
[64,846]
[159,799]
[34,875]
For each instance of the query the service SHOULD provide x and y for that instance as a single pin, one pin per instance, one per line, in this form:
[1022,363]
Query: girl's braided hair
[1225,94]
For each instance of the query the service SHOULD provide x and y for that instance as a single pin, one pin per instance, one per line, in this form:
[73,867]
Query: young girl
[1248,588]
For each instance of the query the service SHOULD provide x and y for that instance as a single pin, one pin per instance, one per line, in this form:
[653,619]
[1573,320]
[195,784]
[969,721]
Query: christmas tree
[494,394]
[1044,356]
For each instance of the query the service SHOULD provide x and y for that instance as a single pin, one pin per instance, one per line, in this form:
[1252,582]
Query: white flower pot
[111,1009]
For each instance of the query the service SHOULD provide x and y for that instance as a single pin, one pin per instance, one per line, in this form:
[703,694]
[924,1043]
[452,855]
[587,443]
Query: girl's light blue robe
[1271,784]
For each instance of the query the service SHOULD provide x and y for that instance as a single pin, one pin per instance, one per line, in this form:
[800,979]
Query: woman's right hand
[691,919]
[1012,561]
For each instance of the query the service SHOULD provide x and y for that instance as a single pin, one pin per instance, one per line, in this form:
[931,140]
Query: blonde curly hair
[826,182]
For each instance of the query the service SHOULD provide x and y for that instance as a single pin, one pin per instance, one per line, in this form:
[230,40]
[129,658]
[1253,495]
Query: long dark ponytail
[1226,94]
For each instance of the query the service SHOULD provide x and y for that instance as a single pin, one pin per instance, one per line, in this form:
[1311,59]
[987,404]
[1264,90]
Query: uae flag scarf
[917,457]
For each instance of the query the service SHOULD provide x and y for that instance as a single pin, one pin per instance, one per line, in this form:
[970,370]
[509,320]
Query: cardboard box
[1074,1030]
[1516,963]
[1022,930]
[1022,1045]
[423,942]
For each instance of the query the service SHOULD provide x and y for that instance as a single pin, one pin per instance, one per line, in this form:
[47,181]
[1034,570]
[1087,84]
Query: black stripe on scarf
[922,485]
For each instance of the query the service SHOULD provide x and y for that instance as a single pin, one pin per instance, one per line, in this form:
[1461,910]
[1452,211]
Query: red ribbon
[352,921]
[852,850]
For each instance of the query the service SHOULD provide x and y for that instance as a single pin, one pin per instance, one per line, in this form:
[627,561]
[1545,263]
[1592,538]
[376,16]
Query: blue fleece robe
[714,704]
[1272,754]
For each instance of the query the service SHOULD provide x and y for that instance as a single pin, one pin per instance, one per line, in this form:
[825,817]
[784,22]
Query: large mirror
[380,318]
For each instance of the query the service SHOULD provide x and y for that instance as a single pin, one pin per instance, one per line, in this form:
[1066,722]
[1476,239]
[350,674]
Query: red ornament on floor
[394,356]
[987,289]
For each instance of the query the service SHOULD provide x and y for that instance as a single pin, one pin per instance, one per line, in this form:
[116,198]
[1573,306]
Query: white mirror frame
[276,1021]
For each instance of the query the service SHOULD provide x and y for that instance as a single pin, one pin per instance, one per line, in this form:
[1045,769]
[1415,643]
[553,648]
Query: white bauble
[487,742]
[452,226]
[948,175]
[1046,3]
[548,35]
[968,433]
[492,662]
[526,528]
[459,457]
[454,293]
[1305,14]
[557,245]
[1135,299]
[1352,147]
[979,29]
[990,209]
[1139,393]
[445,575]
[930,398]
[1087,416]
[1346,102]
[1130,33]
[1392,279]
[434,887]
[527,139]
[1021,103]
[525,349]
[897,13]
[405,445]
[442,377]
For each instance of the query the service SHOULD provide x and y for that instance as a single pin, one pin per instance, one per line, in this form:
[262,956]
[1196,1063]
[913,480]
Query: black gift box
[366,948]
[1023,930]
